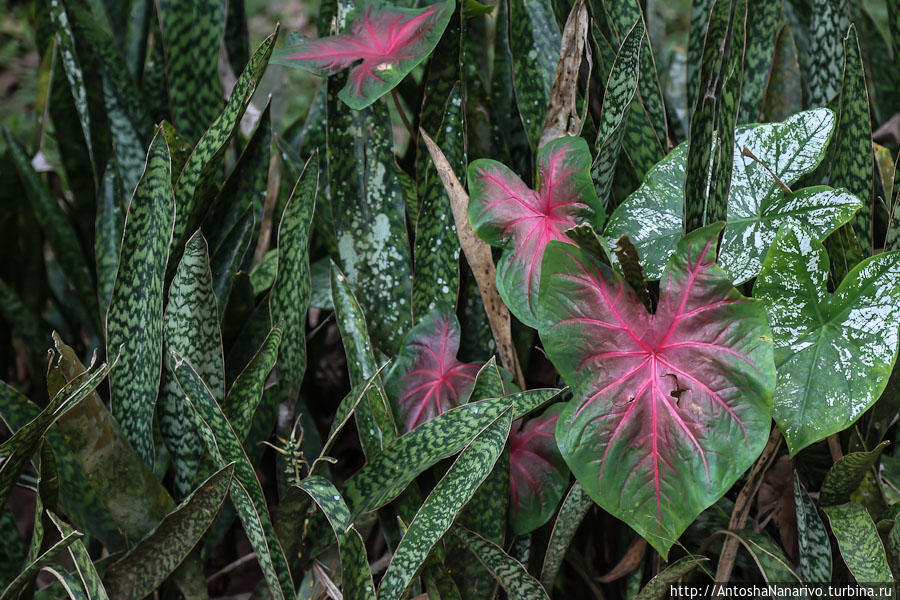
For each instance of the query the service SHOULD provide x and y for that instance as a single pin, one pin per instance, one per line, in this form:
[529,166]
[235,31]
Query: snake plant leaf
[29,570]
[108,227]
[135,316]
[18,449]
[510,573]
[245,491]
[427,379]
[192,32]
[769,558]
[757,205]
[191,328]
[827,27]
[660,400]
[814,545]
[505,212]
[859,542]
[154,558]
[783,97]
[762,29]
[289,298]
[538,475]
[387,41]
[845,476]
[658,587]
[88,578]
[247,390]
[444,502]
[834,352]
[573,510]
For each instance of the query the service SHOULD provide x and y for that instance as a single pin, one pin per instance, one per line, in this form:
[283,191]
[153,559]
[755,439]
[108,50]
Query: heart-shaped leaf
[759,200]
[834,352]
[538,475]
[427,380]
[505,211]
[387,41]
[670,408]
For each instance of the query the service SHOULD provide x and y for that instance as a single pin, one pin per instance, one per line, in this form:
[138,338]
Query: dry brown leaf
[629,562]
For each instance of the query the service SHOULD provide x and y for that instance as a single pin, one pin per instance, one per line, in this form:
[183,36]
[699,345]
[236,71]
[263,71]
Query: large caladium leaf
[538,475]
[505,211]
[387,42]
[834,352]
[427,379]
[758,202]
[669,408]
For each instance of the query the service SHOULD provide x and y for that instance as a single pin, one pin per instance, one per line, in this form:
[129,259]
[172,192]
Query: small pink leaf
[427,379]
[387,42]
[670,408]
[505,211]
[538,475]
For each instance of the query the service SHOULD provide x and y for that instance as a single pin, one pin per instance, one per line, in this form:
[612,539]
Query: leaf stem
[409,127]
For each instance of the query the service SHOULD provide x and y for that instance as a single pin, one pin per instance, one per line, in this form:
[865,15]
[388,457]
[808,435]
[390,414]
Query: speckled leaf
[153,559]
[661,398]
[57,229]
[534,41]
[387,41]
[427,379]
[762,28]
[859,543]
[135,313]
[757,204]
[206,153]
[851,166]
[245,492]
[374,419]
[845,476]
[658,587]
[367,200]
[191,328]
[247,390]
[814,545]
[700,12]
[509,572]
[289,297]
[108,227]
[29,570]
[91,586]
[769,558]
[237,43]
[129,492]
[827,27]
[573,510]
[834,352]
[226,263]
[19,448]
[436,278]
[192,33]
[538,475]
[356,576]
[617,101]
[783,97]
[505,212]
[444,502]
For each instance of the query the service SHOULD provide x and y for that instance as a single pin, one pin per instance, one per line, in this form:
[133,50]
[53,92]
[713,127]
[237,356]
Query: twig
[409,127]
[322,577]
[834,447]
[746,152]
[231,567]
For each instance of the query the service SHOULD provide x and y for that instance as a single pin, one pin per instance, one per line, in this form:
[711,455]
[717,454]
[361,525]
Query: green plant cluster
[536,299]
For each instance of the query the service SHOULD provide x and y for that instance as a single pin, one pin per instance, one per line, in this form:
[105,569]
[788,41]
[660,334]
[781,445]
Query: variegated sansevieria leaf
[134,320]
[760,199]
[191,328]
[834,352]
[509,572]
[859,543]
[245,492]
[814,545]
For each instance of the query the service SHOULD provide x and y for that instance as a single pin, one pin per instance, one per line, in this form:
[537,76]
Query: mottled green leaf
[834,352]
[134,320]
[289,298]
[191,205]
[620,91]
[153,559]
[192,33]
[814,545]
[237,42]
[12,548]
[568,519]
[88,577]
[28,571]
[658,587]
[845,476]
[367,202]
[190,328]
[859,543]
[534,41]
[762,27]
[783,97]
[769,558]
[108,227]
[852,163]
[700,13]
[247,390]
[829,20]
[245,492]
[444,502]
[509,572]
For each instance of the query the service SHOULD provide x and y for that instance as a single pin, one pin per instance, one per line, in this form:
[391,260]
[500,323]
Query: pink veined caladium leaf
[670,408]
[426,379]
[538,475]
[387,42]
[504,211]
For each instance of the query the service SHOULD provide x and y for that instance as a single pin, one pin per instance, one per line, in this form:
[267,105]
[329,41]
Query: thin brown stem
[409,127]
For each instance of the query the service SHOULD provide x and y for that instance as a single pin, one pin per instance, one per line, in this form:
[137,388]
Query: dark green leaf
[859,543]
[34,566]
[845,476]
[509,572]
[659,586]
[827,27]
[91,586]
[783,97]
[769,558]
[814,545]
[573,510]
[762,27]
[247,390]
